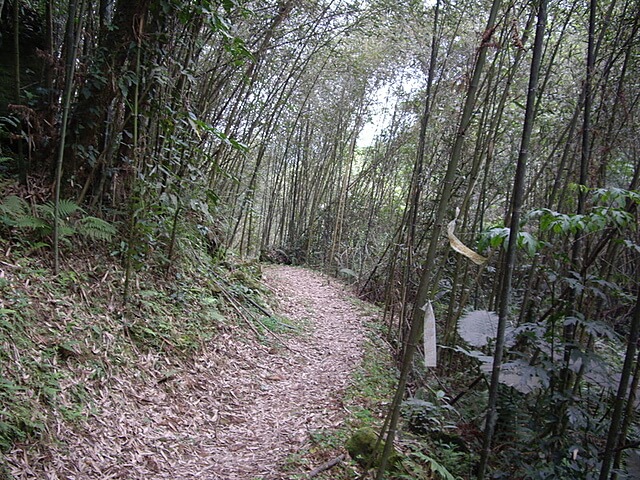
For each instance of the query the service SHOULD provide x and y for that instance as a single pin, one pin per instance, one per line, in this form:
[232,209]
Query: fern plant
[419,465]
[16,213]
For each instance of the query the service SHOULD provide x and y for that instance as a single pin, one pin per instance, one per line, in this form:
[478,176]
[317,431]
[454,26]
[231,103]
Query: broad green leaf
[528,242]
[478,327]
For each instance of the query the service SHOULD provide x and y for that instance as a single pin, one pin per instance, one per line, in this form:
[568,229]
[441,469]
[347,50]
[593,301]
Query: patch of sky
[383,102]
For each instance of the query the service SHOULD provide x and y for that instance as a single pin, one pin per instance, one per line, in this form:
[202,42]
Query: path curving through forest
[236,412]
[298,389]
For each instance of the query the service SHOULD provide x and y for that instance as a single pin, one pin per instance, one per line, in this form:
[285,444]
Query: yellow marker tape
[460,247]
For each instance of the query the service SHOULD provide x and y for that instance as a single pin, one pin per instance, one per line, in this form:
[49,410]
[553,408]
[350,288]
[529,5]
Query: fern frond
[45,210]
[14,207]
[29,221]
[95,228]
[65,230]
[66,208]
[16,212]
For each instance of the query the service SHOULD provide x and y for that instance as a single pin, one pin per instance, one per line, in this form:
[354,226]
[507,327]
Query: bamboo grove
[238,125]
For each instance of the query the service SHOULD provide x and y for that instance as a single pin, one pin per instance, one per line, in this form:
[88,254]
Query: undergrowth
[63,338]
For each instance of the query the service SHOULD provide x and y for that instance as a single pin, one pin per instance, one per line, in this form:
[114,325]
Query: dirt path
[234,413]
[295,390]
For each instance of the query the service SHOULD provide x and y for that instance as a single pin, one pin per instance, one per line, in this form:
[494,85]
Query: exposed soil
[235,412]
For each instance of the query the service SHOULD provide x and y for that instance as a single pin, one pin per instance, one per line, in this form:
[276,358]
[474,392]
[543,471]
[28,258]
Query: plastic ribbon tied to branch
[460,247]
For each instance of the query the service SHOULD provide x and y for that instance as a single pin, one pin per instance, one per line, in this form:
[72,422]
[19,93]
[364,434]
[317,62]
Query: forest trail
[296,390]
[236,412]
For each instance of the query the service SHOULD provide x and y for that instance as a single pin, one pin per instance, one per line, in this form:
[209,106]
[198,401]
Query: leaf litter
[235,411]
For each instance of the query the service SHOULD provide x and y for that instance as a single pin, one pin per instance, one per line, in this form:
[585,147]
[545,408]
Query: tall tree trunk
[23,166]
[424,289]
[70,63]
[510,257]
[342,195]
[576,252]
[136,199]
[618,407]
[629,416]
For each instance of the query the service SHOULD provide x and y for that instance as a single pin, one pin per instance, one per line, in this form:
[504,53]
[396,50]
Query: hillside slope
[198,379]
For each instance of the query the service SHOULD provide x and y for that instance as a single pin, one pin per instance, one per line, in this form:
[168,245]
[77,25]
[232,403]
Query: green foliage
[174,319]
[17,421]
[374,381]
[219,22]
[497,236]
[17,214]
[198,126]
[421,466]
[95,228]
[616,197]
[435,447]
[535,416]
[361,446]
[424,416]
[609,209]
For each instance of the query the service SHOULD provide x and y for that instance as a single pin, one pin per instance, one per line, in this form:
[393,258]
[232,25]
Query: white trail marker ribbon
[430,354]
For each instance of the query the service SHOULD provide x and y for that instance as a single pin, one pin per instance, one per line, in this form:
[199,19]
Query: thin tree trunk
[68,87]
[415,189]
[342,199]
[576,252]
[510,257]
[425,286]
[619,404]
[134,196]
[629,415]
[23,167]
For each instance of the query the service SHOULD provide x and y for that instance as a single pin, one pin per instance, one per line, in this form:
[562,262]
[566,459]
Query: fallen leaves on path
[233,413]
